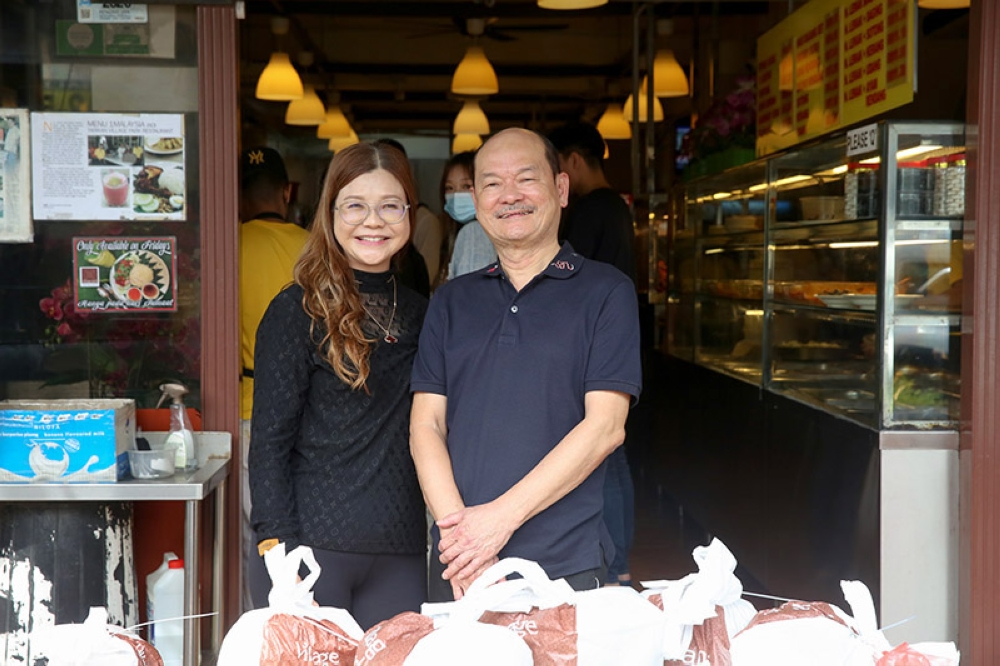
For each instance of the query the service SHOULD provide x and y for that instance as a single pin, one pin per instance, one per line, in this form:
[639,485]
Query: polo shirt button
[513,308]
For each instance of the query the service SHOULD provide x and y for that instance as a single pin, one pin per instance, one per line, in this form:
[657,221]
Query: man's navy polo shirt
[515,367]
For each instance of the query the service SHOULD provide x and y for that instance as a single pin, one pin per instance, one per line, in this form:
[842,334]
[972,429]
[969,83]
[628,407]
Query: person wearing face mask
[472,249]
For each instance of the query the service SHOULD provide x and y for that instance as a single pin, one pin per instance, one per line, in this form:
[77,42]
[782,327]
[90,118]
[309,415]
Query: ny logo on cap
[256,157]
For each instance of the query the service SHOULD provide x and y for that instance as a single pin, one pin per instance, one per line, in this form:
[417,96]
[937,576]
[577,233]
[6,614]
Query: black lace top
[330,467]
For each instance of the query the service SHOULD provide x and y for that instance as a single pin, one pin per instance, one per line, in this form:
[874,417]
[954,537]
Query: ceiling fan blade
[535,27]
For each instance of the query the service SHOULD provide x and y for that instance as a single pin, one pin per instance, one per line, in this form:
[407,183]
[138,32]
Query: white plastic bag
[94,642]
[612,625]
[702,611]
[462,643]
[823,635]
[301,631]
[389,642]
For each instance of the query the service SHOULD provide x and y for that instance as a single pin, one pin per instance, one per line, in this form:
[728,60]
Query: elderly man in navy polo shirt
[522,382]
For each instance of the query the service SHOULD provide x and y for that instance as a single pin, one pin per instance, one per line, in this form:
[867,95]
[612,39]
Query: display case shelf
[799,273]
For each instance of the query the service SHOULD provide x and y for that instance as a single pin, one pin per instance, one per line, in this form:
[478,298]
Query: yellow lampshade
[669,79]
[338,143]
[306,111]
[657,107]
[279,82]
[474,75]
[335,125]
[570,4]
[471,120]
[613,124]
[464,142]
[943,4]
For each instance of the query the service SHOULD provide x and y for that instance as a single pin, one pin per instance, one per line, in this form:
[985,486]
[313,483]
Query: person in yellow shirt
[270,245]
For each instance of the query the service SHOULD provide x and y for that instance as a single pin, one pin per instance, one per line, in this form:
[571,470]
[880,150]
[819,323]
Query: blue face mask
[459,205]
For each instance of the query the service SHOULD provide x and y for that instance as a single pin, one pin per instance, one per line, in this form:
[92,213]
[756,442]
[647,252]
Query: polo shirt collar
[565,264]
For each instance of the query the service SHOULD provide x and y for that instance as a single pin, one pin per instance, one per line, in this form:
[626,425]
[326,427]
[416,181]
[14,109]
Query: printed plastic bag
[820,634]
[291,631]
[702,611]
[462,643]
[562,627]
[94,642]
[920,654]
[389,642]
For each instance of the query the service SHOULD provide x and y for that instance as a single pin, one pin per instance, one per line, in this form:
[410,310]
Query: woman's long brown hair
[331,296]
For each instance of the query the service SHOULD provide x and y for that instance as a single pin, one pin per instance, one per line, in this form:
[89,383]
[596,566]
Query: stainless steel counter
[190,488]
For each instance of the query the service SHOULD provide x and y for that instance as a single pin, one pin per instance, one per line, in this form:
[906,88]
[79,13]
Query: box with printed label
[65,440]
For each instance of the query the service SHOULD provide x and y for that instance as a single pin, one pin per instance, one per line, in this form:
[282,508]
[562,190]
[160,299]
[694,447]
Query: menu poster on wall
[836,62]
[106,166]
[15,183]
[121,273]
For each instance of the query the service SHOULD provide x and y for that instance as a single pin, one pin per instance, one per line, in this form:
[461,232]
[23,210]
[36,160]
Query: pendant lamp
[464,142]
[943,4]
[471,120]
[669,79]
[657,107]
[474,74]
[570,4]
[306,111]
[338,143]
[335,125]
[613,124]
[279,82]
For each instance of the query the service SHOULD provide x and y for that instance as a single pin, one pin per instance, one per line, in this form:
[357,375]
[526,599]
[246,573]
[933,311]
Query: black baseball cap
[262,161]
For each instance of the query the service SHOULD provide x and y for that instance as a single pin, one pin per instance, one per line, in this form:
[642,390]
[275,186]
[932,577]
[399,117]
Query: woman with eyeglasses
[329,459]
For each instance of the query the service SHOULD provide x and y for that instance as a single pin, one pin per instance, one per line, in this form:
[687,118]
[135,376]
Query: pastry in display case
[834,278]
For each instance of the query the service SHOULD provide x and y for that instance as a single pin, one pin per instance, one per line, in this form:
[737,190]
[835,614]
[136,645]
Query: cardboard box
[66,441]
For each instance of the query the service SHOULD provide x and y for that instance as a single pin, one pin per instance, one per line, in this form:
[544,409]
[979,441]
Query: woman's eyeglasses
[390,211]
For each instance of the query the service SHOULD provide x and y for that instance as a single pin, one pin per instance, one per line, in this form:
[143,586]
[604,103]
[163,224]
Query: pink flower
[52,309]
[63,293]
[65,331]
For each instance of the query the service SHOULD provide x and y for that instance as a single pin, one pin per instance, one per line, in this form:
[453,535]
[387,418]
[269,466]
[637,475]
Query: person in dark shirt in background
[598,224]
[329,465]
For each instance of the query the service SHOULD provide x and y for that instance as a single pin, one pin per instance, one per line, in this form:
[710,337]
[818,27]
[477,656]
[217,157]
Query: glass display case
[831,276]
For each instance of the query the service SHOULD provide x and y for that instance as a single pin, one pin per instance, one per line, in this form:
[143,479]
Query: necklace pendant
[390,338]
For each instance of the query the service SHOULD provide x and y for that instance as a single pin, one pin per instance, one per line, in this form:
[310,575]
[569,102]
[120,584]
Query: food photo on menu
[125,274]
[158,187]
[123,151]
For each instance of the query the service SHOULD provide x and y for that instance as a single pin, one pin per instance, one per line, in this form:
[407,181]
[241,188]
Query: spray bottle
[181,433]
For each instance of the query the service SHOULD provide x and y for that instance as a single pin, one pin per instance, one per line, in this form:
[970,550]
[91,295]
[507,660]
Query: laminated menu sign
[116,274]
[832,64]
[106,166]
[15,184]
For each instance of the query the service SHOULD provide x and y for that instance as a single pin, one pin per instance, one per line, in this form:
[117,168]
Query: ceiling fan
[489,28]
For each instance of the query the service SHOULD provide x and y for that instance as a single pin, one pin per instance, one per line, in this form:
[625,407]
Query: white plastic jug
[165,600]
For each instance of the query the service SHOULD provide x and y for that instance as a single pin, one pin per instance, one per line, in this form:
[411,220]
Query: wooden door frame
[979,615]
[218,128]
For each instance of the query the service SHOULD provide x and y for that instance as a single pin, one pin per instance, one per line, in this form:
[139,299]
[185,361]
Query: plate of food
[163,145]
[139,275]
[158,189]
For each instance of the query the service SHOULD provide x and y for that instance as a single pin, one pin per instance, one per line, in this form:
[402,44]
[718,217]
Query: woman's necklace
[389,337]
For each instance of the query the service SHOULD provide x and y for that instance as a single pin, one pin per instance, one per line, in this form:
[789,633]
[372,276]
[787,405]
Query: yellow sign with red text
[831,64]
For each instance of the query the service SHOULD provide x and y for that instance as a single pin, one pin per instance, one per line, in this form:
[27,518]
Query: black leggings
[371,587]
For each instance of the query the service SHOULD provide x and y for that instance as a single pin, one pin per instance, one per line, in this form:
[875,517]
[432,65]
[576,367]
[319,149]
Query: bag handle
[283,569]
[548,591]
